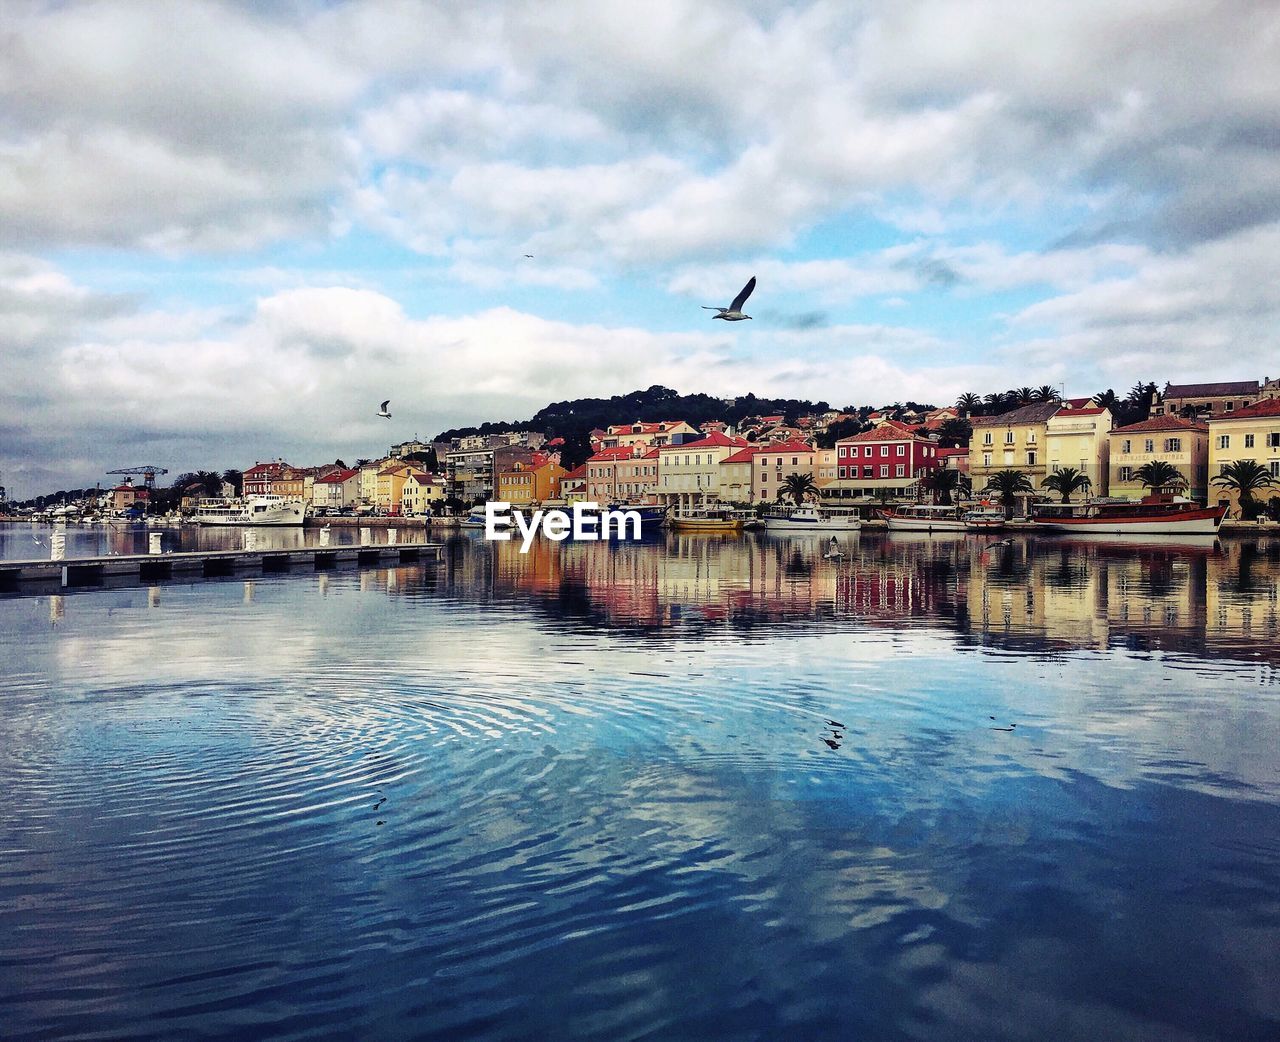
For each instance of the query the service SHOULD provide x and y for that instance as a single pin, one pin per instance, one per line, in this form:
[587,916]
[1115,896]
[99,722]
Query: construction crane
[148,473]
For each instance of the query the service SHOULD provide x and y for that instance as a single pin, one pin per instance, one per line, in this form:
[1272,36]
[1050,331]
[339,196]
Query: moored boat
[1160,514]
[923,517]
[252,510]
[712,521]
[984,519]
[810,518]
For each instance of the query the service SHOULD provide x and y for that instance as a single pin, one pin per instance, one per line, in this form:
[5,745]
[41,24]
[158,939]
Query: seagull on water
[382,410]
[835,553]
[733,313]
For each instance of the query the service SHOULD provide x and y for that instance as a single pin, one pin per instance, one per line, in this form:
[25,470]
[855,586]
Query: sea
[695,787]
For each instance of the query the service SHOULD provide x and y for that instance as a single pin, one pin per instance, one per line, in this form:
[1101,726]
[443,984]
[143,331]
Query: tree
[1066,481]
[1107,400]
[1046,393]
[994,404]
[1244,477]
[799,487]
[955,432]
[1158,474]
[235,479]
[1021,396]
[967,403]
[1008,485]
[945,483]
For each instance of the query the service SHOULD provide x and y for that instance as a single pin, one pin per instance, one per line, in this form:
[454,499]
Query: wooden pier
[203,564]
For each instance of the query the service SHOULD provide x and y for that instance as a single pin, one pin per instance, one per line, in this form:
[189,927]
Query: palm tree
[1046,393]
[993,404]
[944,483]
[1245,477]
[1022,395]
[799,487]
[1066,481]
[1107,400]
[1008,485]
[1158,474]
[967,402]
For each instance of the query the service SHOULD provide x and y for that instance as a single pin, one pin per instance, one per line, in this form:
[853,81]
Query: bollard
[391,537]
[155,542]
[366,536]
[251,539]
[58,544]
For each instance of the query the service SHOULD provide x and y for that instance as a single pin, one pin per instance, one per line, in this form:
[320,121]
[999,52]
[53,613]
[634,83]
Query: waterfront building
[573,486]
[471,473]
[1180,442]
[773,464]
[1013,441]
[623,473]
[891,457]
[125,496]
[689,474]
[735,476]
[336,490]
[1206,400]
[369,480]
[650,435]
[523,483]
[391,478]
[421,493]
[1249,433]
[953,458]
[824,466]
[1078,438]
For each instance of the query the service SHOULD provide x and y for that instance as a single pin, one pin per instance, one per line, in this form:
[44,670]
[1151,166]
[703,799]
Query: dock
[15,576]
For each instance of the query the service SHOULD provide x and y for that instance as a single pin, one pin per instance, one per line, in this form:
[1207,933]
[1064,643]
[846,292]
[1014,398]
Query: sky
[228,231]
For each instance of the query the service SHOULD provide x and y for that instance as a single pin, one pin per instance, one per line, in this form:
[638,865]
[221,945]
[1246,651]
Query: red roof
[947,453]
[891,431]
[1227,389]
[742,455]
[787,446]
[579,471]
[713,440]
[1162,423]
[555,441]
[621,452]
[337,477]
[1089,411]
[1266,407]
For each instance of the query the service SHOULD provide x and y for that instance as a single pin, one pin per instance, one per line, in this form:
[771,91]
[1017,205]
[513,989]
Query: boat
[475,519]
[252,510]
[652,515]
[706,521]
[1159,514]
[984,519]
[810,518]
[922,517]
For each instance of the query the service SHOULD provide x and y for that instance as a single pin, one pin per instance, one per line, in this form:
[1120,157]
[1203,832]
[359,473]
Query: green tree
[234,478]
[1107,400]
[1244,477]
[945,483]
[955,432]
[1158,474]
[968,403]
[799,487]
[1021,396]
[1008,485]
[1066,481]
[1046,393]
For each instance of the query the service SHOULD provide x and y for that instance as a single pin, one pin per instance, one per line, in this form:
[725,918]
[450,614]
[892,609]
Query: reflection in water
[686,789]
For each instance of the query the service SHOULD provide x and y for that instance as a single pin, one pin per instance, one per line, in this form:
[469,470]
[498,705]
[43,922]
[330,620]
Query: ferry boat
[984,519]
[707,521]
[809,518]
[253,510]
[923,517]
[1160,514]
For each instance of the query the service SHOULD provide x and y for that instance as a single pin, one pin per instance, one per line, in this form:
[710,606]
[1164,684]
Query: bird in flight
[382,410]
[733,313]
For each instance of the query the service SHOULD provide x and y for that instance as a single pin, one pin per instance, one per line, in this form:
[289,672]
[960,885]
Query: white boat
[922,517]
[1160,514]
[253,510]
[475,519]
[984,519]
[810,518]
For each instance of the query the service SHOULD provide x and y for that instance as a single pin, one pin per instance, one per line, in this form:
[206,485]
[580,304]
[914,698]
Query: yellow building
[391,478]
[735,476]
[1181,443]
[1013,441]
[1252,433]
[421,493]
[1079,438]
[522,484]
[689,474]
[369,481]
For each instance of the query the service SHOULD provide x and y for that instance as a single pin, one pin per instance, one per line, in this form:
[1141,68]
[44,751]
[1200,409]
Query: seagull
[382,410]
[835,553]
[528,256]
[733,313]
[1000,542]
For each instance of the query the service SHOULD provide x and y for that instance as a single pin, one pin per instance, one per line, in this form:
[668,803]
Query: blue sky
[228,230]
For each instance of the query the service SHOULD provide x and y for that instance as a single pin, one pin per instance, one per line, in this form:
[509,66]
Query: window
[1126,473]
[1126,446]
[884,450]
[902,450]
[900,470]
[986,459]
[1173,445]
[1248,441]
[884,472]
[867,451]
[1031,437]
[1273,440]
[1008,437]
[1275,468]
[844,451]
[842,471]
[1149,445]
[1224,441]
[986,438]
[867,471]
[1231,406]
[1031,459]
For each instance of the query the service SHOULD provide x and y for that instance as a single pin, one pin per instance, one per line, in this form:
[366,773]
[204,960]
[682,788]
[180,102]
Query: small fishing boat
[984,519]
[713,521]
[922,517]
[810,518]
[1160,514]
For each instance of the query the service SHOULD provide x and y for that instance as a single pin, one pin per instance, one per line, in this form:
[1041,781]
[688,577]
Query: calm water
[597,793]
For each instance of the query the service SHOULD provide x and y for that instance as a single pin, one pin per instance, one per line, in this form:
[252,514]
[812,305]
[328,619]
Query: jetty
[38,575]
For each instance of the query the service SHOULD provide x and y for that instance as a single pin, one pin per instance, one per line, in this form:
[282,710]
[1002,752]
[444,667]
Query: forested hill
[574,420]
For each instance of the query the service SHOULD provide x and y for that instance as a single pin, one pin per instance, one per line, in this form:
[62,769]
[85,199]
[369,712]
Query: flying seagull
[382,410]
[733,313]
